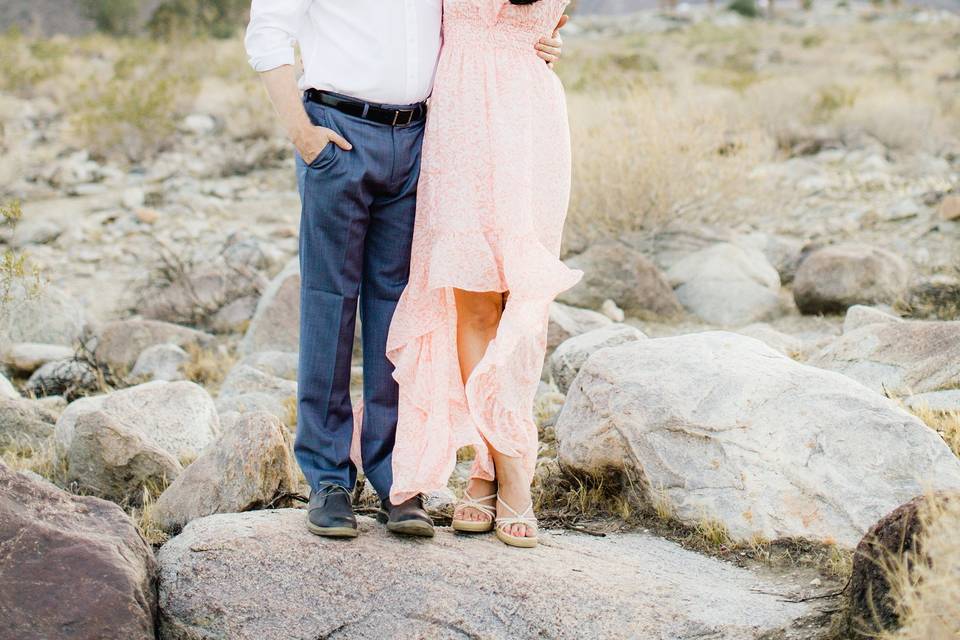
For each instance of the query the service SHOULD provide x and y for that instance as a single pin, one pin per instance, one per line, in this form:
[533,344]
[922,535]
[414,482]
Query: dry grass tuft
[945,423]
[290,406]
[38,458]
[142,517]
[927,593]
[208,367]
[567,500]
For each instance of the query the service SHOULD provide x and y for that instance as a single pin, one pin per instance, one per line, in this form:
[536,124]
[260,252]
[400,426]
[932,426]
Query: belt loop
[366,109]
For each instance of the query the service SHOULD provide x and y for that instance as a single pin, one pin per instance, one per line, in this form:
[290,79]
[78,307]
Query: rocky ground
[741,387]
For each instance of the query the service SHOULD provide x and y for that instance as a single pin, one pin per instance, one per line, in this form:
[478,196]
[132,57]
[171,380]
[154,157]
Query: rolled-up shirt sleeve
[272,32]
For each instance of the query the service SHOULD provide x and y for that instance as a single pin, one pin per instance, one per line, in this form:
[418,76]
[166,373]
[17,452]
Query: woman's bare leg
[478,316]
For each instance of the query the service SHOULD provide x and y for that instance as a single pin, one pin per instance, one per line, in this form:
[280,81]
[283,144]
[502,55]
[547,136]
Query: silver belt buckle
[396,116]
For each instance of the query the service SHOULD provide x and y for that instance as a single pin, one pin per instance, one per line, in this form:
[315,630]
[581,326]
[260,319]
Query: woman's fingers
[549,49]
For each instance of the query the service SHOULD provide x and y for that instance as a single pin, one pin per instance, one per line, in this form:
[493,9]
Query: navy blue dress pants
[356,228]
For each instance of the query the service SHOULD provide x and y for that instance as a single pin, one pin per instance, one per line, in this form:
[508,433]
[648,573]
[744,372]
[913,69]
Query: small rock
[946,401]
[198,124]
[120,343]
[160,362]
[63,378]
[610,309]
[180,417]
[861,315]
[950,207]
[282,364]
[25,422]
[245,469]
[109,460]
[244,379]
[836,277]
[147,216]
[36,232]
[27,357]
[133,197]
[615,271]
[565,322]
[234,316]
[727,285]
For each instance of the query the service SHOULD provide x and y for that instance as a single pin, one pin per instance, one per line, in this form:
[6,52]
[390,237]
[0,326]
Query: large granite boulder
[567,359]
[838,276]
[614,271]
[726,429]
[179,417]
[276,323]
[249,466]
[73,567]
[379,586]
[727,284]
[897,357]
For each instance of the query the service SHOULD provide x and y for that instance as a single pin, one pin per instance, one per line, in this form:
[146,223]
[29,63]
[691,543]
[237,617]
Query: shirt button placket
[413,49]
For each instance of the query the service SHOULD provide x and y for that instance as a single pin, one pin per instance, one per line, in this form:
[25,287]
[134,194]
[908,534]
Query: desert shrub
[15,269]
[26,62]
[645,156]
[134,112]
[746,8]
[187,18]
[116,17]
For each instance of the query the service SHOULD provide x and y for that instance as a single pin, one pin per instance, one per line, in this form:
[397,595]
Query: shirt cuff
[272,59]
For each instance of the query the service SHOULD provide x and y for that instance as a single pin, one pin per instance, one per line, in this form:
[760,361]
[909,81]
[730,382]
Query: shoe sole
[411,528]
[515,541]
[332,532]
[472,526]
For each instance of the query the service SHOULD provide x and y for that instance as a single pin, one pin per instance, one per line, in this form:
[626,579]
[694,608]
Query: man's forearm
[281,85]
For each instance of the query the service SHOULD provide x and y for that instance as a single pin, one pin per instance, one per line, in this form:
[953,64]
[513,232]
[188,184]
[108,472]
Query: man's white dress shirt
[383,51]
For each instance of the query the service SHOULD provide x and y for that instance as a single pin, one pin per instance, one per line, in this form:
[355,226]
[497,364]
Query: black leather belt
[367,110]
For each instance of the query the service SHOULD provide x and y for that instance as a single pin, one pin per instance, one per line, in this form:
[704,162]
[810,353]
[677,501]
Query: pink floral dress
[492,198]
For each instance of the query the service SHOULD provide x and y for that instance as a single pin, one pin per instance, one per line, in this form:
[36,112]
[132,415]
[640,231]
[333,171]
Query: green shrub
[116,17]
[135,112]
[746,8]
[26,62]
[190,18]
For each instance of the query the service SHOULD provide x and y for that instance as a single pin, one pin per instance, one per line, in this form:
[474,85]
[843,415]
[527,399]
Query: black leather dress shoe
[330,513]
[408,518]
